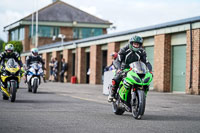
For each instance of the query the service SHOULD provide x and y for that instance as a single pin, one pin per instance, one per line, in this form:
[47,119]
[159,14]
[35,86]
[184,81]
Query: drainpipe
[191,52]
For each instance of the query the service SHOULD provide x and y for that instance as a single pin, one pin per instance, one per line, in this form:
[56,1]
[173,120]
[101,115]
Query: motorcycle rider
[9,53]
[34,57]
[132,52]
[111,67]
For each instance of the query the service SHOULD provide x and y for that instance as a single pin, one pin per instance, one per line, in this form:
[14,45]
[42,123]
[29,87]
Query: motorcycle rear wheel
[5,97]
[116,109]
[29,88]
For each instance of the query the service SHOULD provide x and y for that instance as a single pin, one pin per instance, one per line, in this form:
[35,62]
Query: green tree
[1,45]
[18,47]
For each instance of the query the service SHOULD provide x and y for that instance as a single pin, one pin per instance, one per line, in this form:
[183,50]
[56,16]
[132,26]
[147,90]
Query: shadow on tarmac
[40,101]
[148,117]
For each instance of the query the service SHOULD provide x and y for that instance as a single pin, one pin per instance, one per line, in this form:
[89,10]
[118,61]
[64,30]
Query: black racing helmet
[135,39]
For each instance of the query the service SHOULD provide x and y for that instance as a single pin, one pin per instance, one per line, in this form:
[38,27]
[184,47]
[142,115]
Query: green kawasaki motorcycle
[132,91]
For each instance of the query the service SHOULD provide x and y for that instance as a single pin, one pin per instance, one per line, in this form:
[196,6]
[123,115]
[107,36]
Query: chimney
[54,1]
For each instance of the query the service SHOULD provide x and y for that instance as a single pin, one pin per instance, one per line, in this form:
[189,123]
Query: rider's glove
[151,73]
[119,71]
[22,69]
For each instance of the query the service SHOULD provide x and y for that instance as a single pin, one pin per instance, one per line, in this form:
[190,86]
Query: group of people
[34,57]
[54,69]
[9,53]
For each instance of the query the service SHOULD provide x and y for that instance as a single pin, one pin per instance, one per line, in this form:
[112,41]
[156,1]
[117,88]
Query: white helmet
[34,51]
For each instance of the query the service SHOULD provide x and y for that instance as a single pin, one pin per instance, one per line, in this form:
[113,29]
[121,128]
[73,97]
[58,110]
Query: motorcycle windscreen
[36,66]
[11,63]
[139,67]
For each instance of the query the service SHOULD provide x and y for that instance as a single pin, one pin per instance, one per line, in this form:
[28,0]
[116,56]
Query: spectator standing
[55,69]
[63,70]
[51,64]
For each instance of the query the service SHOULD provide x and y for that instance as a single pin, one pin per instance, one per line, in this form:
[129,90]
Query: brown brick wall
[23,58]
[195,87]
[162,63]
[112,47]
[46,65]
[95,64]
[68,32]
[25,42]
[67,55]
[81,75]
[105,31]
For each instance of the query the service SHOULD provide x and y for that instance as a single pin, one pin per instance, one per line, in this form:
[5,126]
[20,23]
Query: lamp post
[36,35]
[61,36]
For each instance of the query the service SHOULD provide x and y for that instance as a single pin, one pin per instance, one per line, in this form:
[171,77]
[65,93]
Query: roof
[60,11]
[153,27]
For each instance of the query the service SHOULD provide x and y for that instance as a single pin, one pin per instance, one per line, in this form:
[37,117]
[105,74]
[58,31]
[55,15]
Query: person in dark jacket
[132,52]
[55,69]
[51,69]
[9,53]
[63,70]
[111,67]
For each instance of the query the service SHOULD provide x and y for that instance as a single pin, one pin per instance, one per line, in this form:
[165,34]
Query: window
[79,33]
[44,31]
[21,34]
[17,34]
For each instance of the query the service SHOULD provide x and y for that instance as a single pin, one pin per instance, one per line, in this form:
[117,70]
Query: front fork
[133,95]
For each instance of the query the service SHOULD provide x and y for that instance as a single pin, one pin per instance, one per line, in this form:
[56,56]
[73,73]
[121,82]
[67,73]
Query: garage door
[178,68]
[150,55]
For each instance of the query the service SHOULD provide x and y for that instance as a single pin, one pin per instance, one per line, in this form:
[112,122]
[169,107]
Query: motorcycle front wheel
[13,89]
[139,105]
[35,85]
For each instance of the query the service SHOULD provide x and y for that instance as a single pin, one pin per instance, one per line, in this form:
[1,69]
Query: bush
[18,47]
[1,45]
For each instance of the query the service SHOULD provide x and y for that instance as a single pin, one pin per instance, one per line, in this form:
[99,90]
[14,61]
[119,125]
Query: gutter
[191,53]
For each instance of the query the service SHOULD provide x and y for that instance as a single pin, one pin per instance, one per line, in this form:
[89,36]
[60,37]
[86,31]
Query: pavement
[82,108]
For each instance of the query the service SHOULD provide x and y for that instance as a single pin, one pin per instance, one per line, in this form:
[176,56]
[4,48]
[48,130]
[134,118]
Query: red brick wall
[81,74]
[95,64]
[46,65]
[25,42]
[195,87]
[112,47]
[67,55]
[162,63]
[105,31]
[23,58]
[68,32]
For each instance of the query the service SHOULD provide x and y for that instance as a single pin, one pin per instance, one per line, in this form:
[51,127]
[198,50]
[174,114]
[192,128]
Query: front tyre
[35,85]
[13,89]
[139,105]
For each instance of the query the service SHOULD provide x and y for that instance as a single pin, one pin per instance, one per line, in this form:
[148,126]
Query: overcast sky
[124,14]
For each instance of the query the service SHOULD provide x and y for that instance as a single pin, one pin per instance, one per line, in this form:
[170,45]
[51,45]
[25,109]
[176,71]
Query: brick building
[54,19]
[173,49]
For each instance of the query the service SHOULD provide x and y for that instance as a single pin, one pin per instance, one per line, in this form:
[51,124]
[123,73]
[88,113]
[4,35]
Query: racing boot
[112,91]
[25,79]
